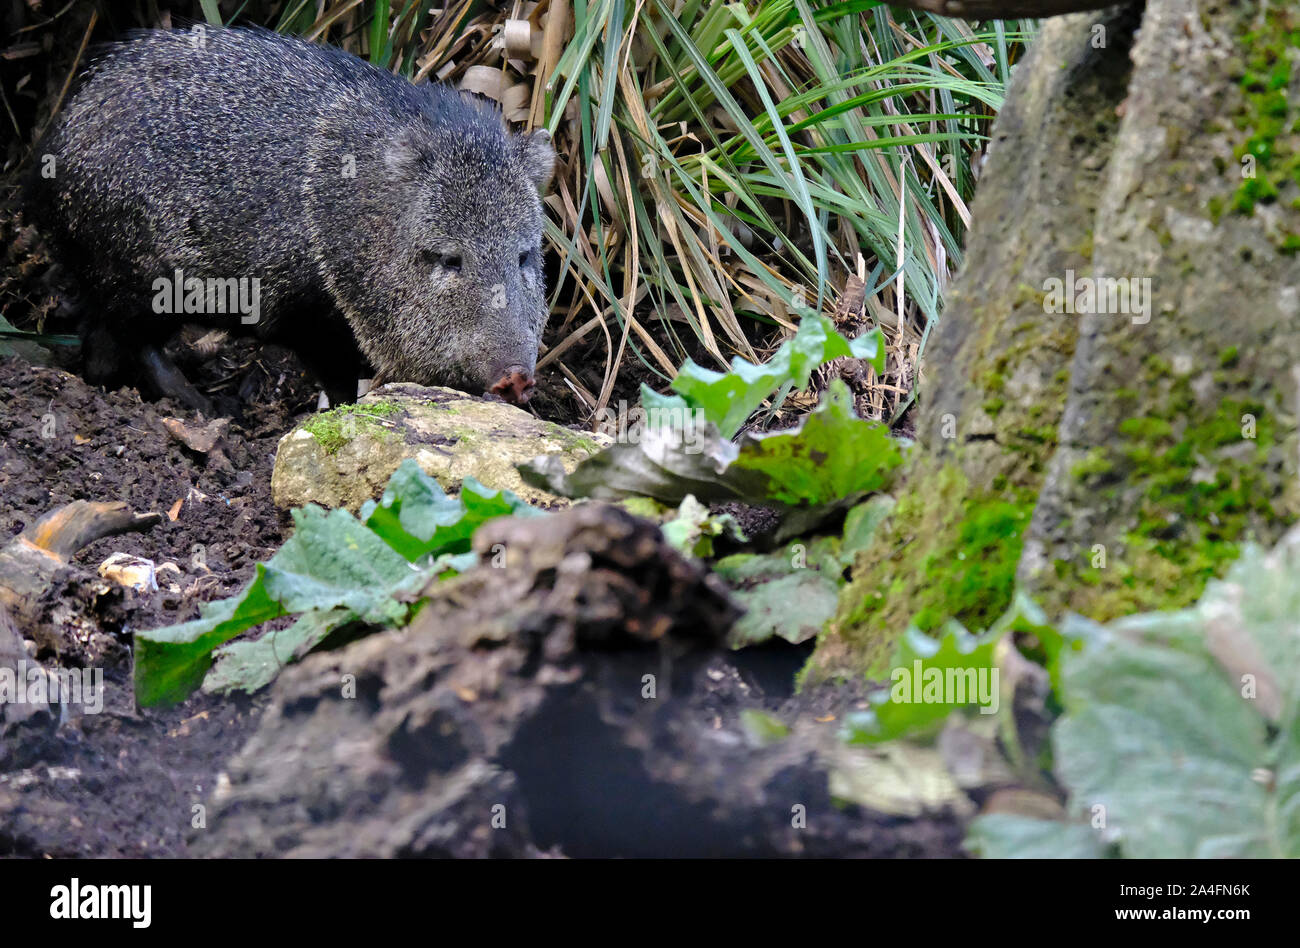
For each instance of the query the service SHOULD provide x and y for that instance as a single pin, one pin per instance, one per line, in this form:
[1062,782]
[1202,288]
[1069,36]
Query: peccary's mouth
[516,385]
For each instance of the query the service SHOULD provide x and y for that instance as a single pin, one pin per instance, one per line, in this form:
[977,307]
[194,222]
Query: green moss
[574,438]
[1085,247]
[1270,118]
[334,428]
[1043,434]
[1157,367]
[1145,429]
[949,551]
[1026,294]
[1199,496]
[1228,357]
[1094,465]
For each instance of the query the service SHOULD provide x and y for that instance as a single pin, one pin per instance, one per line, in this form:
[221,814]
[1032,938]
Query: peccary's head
[441,272]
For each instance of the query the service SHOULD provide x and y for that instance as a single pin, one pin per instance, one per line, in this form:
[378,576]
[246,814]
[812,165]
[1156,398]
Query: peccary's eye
[525,258]
[447,262]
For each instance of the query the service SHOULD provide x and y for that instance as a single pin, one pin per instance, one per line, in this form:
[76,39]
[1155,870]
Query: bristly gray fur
[236,153]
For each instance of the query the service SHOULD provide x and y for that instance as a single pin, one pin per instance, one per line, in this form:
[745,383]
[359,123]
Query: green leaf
[795,607]
[861,523]
[26,345]
[832,455]
[170,662]
[793,593]
[331,561]
[333,569]
[211,12]
[828,462]
[728,398]
[1181,730]
[417,518]
[1007,836]
[253,664]
[692,530]
[929,679]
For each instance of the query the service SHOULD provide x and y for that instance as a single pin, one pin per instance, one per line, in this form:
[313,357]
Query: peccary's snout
[514,383]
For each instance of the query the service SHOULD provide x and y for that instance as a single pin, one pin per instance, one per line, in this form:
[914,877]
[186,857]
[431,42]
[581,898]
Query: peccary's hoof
[515,386]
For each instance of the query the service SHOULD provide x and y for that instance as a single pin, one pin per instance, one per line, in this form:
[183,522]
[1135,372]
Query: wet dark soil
[122,783]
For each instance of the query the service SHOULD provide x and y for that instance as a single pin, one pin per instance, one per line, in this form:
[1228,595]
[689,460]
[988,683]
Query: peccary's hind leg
[169,381]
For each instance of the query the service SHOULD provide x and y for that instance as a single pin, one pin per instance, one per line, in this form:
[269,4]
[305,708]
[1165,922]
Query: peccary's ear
[537,157]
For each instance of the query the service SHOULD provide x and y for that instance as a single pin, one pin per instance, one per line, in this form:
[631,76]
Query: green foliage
[929,678]
[332,571]
[728,398]
[693,529]
[792,593]
[833,454]
[1181,732]
[828,462]
[818,132]
[418,520]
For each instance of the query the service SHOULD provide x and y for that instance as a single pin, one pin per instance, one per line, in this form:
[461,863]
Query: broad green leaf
[1180,731]
[252,664]
[417,518]
[333,569]
[862,521]
[794,607]
[832,455]
[170,662]
[1007,836]
[928,679]
[728,398]
[827,463]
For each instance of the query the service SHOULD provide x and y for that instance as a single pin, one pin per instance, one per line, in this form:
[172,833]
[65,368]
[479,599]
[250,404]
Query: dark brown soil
[122,783]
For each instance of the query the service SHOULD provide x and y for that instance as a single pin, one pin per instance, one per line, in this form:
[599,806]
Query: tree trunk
[1108,461]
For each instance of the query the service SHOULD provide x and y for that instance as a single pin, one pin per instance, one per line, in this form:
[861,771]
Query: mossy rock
[344,457]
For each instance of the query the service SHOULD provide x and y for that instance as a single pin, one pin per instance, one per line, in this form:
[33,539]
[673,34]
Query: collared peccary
[241,178]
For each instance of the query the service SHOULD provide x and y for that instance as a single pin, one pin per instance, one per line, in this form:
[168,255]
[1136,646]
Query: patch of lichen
[334,428]
[1199,481]
[1026,426]
[1270,119]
